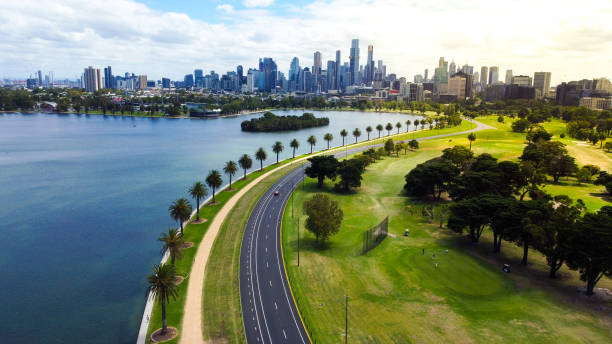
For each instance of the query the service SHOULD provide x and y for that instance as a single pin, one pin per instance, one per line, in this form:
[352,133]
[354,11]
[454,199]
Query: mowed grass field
[398,295]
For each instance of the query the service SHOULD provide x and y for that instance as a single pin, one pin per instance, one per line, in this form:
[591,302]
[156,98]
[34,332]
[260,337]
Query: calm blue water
[83,199]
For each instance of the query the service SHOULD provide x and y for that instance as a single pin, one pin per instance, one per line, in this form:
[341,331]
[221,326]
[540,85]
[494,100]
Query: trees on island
[271,122]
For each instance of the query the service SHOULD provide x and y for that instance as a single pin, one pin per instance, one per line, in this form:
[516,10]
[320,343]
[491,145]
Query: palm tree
[408,125]
[198,191]
[162,284]
[230,169]
[343,133]
[369,130]
[173,240]
[423,122]
[328,137]
[261,156]
[472,138]
[379,128]
[389,127]
[416,124]
[313,141]
[294,144]
[277,148]
[398,125]
[214,181]
[245,162]
[180,210]
[356,133]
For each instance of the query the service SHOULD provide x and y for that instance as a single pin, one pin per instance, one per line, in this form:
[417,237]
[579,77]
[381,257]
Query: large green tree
[591,246]
[350,172]
[324,216]
[245,162]
[475,214]
[198,191]
[180,210]
[458,155]
[432,178]
[162,282]
[321,167]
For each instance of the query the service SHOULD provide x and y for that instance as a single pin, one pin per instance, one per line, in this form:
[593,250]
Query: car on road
[276,193]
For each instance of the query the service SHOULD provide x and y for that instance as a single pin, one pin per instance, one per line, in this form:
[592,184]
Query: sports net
[375,235]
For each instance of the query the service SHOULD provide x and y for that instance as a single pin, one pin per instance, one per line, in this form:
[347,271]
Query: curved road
[268,309]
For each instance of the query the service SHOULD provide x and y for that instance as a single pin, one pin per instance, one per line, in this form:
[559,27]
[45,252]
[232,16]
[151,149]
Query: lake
[83,199]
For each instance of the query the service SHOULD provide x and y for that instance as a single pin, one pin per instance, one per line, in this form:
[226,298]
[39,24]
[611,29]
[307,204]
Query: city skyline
[145,39]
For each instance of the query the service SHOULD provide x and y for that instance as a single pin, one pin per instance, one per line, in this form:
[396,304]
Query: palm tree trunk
[213,195]
[230,182]
[261,165]
[310,149]
[470,145]
[198,208]
[245,173]
[277,158]
[294,152]
[181,222]
[525,253]
[164,323]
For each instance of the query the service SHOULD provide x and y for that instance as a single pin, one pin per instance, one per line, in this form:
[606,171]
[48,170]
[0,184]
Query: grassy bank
[398,295]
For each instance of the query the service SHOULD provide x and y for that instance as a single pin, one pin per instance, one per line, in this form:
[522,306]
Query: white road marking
[284,334]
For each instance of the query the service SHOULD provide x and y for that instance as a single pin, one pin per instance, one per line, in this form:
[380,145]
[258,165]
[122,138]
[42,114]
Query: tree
[261,155]
[471,137]
[180,210]
[550,155]
[245,162]
[230,169]
[312,140]
[604,179]
[213,180]
[537,133]
[389,127]
[531,178]
[458,155]
[173,241]
[432,178]
[408,125]
[379,127]
[389,145]
[198,191]
[324,216]
[350,173]
[398,125]
[162,283]
[328,137]
[608,146]
[584,175]
[591,246]
[343,133]
[356,133]
[277,148]
[369,130]
[533,216]
[520,125]
[560,166]
[322,167]
[414,144]
[295,144]
[476,214]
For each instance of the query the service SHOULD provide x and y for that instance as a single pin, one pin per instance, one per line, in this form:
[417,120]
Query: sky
[160,38]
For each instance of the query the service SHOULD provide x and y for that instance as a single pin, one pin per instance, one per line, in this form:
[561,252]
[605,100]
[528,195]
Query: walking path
[191,331]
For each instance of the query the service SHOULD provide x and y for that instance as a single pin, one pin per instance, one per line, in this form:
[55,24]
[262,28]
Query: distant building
[484,73]
[92,80]
[165,83]
[521,80]
[541,82]
[109,79]
[508,76]
[493,75]
[354,63]
[460,85]
[452,68]
[596,103]
[188,81]
[467,69]
[142,82]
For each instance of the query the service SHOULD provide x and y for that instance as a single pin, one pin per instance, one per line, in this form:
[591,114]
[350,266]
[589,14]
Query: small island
[271,122]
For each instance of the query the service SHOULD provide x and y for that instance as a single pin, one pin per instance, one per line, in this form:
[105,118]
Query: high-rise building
[425,76]
[452,68]
[39,77]
[484,73]
[92,80]
[467,69]
[269,69]
[493,75]
[331,75]
[165,83]
[317,65]
[188,81]
[338,81]
[508,77]
[541,82]
[521,80]
[239,73]
[142,82]
[370,65]
[109,79]
[460,85]
[354,62]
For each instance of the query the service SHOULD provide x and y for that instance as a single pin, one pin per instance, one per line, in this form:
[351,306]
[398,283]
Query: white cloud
[257,3]
[226,8]
[572,40]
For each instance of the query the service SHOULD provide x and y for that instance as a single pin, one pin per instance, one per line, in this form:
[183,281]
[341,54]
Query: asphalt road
[268,309]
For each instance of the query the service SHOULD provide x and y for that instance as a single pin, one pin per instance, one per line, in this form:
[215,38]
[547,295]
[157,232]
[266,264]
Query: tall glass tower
[354,62]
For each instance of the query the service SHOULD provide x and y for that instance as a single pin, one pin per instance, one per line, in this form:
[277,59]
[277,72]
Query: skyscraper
[467,69]
[370,65]
[239,72]
[338,81]
[452,68]
[541,82]
[109,79]
[39,77]
[316,67]
[493,75]
[331,75]
[426,76]
[354,62]
[508,76]
[269,69]
[484,73]
[92,80]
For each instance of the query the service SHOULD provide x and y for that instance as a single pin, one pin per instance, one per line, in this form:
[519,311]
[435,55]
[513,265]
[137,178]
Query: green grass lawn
[397,295]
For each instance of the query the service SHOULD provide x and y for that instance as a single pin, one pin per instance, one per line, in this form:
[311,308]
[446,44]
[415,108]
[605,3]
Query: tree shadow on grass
[603,195]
